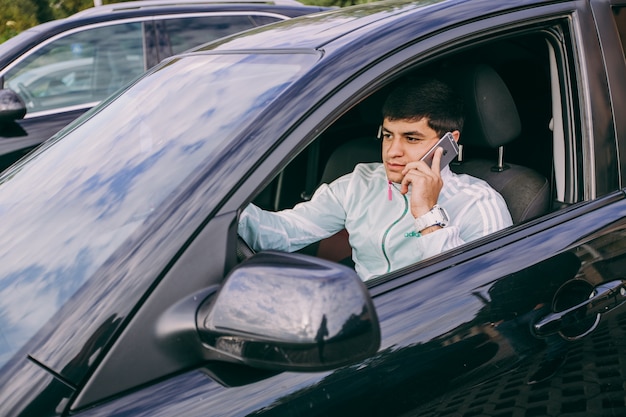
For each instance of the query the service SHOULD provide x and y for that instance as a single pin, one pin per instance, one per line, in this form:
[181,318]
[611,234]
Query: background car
[62,68]
[124,289]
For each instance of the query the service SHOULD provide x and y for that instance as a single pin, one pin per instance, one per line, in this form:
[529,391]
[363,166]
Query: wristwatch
[437,216]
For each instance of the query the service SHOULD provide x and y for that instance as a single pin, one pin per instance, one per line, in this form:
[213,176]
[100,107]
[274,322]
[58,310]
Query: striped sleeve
[292,229]
[475,207]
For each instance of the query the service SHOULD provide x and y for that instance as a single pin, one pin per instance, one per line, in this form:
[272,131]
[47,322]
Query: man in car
[399,211]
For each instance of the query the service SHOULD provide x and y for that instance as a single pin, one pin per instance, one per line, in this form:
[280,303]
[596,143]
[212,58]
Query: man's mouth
[395,166]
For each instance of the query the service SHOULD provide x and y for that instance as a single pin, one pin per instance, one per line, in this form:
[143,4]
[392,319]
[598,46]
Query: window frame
[421,52]
[614,66]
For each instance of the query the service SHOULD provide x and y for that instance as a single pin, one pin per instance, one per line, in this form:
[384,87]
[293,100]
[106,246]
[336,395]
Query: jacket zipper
[406,209]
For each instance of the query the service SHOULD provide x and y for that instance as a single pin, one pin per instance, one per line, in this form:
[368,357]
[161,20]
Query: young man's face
[405,141]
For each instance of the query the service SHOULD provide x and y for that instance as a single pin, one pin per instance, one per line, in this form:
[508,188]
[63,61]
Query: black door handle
[605,297]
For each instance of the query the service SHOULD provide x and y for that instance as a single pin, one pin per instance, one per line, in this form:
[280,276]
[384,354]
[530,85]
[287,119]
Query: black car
[62,68]
[125,290]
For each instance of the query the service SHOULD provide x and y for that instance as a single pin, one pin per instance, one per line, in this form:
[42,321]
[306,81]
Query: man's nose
[395,147]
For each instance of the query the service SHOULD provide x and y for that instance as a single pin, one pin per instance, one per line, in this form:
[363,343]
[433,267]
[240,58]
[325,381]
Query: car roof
[160,4]
[315,31]
[342,26]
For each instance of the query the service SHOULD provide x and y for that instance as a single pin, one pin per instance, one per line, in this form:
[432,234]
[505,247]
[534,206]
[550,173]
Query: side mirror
[280,312]
[291,312]
[12,107]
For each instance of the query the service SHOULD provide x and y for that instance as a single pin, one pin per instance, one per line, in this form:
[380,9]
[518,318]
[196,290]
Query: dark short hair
[417,98]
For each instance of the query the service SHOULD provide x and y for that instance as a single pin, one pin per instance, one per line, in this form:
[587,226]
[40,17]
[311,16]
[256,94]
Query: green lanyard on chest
[384,239]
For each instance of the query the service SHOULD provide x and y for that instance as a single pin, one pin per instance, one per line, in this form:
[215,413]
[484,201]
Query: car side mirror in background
[12,107]
[279,312]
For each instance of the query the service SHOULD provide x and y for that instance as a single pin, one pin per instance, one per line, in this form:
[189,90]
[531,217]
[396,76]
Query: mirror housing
[12,107]
[285,311]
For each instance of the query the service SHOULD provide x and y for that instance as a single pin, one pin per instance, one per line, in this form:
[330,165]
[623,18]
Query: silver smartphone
[450,150]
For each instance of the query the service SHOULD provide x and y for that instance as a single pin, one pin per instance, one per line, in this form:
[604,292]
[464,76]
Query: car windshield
[66,209]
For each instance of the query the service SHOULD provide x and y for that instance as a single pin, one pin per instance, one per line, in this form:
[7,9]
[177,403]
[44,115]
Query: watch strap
[437,216]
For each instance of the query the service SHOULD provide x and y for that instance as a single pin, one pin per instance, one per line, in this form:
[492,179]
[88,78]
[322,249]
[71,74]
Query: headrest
[491,118]
[345,157]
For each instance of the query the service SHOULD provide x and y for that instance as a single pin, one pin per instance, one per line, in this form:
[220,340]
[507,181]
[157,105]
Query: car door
[457,335]
[513,321]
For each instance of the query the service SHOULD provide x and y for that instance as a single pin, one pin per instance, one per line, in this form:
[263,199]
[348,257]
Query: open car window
[525,144]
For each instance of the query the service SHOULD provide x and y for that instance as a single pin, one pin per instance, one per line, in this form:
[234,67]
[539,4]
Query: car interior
[513,136]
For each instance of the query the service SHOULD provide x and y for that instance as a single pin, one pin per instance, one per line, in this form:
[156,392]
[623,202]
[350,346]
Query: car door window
[186,32]
[79,68]
[529,67]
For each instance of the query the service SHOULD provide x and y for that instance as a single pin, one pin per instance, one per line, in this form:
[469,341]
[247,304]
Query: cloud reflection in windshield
[72,206]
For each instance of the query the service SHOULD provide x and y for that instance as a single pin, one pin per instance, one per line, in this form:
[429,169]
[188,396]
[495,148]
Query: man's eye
[386,136]
[412,140]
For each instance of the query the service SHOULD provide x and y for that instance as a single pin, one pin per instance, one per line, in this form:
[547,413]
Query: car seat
[342,161]
[491,122]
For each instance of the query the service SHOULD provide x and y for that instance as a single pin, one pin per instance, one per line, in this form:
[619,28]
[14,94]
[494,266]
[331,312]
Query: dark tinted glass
[186,32]
[261,20]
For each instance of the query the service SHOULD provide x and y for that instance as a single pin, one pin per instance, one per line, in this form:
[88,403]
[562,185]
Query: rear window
[186,32]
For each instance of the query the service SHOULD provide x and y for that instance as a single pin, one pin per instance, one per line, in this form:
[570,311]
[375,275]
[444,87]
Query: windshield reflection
[68,208]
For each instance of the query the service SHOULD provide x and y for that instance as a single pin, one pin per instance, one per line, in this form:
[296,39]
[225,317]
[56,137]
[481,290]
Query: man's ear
[456,135]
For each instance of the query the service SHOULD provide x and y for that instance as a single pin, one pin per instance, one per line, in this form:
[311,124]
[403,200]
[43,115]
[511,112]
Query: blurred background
[19,15]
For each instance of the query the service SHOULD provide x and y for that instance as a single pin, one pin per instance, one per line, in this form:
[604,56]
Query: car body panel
[456,328]
[461,337]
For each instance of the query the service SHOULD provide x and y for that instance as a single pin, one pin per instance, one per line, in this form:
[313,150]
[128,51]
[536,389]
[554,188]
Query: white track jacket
[378,219]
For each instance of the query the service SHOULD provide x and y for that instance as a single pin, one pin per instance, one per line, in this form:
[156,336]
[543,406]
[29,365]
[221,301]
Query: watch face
[444,217]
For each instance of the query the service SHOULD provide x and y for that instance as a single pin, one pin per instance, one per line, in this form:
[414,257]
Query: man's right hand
[426,184]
